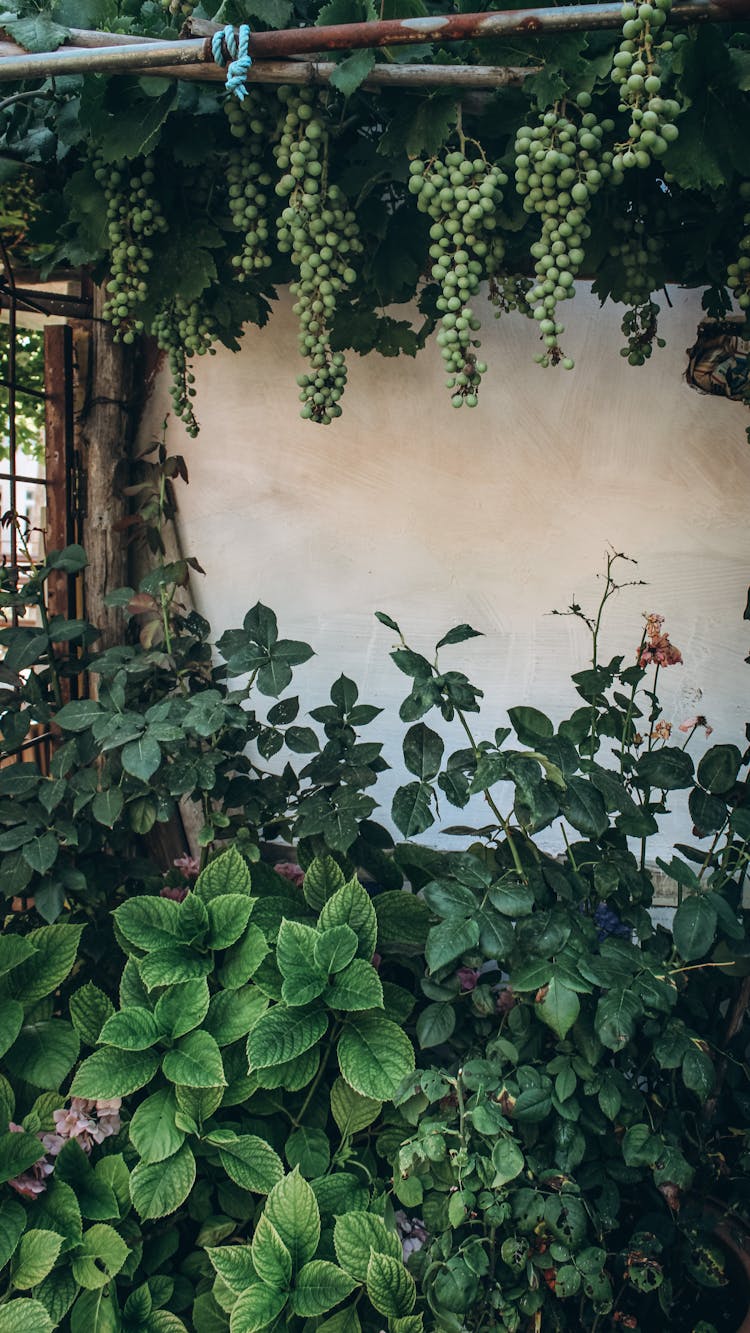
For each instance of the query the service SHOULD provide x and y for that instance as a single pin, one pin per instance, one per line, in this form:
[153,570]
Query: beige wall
[492,516]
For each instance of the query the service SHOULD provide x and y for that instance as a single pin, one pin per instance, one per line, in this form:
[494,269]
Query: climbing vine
[620,157]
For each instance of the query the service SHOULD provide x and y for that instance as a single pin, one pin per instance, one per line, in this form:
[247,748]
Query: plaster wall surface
[493,516]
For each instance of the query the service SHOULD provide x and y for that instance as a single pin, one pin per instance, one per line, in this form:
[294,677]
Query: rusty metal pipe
[191,51]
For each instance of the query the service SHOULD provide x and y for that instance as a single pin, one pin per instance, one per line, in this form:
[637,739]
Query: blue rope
[241,61]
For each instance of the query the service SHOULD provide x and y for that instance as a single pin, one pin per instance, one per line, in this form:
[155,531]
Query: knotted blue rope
[241,60]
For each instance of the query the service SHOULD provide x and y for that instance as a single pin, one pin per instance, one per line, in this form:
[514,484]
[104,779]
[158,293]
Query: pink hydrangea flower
[32,1182]
[189,865]
[291,871]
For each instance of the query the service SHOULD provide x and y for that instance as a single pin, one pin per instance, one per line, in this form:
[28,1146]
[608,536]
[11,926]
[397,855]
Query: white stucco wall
[493,516]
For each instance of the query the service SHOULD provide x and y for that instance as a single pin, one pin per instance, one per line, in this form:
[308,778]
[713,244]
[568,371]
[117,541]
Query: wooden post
[107,428]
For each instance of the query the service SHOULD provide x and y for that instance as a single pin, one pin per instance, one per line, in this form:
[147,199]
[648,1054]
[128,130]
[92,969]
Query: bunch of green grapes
[640,265]
[183,7]
[321,234]
[133,217]
[636,72]
[183,330]
[247,181]
[461,193]
[560,165]
[738,273]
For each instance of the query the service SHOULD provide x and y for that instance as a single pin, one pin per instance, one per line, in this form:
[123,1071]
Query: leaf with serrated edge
[351,906]
[271,1258]
[357,987]
[256,1308]
[356,1235]
[35,1257]
[293,1210]
[283,1034]
[320,1285]
[351,1111]
[152,1129]
[132,1029]
[234,1265]
[390,1286]
[250,1161]
[195,1062]
[159,1188]
[374,1056]
[111,1073]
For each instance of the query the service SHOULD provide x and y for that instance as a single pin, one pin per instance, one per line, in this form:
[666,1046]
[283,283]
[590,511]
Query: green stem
[297,1120]
[504,824]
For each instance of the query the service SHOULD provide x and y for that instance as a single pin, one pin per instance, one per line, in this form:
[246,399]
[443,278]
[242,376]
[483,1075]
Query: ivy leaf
[419,126]
[38,33]
[274,13]
[352,71]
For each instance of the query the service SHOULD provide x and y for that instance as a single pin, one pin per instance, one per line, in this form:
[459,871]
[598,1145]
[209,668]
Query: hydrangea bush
[376,1086]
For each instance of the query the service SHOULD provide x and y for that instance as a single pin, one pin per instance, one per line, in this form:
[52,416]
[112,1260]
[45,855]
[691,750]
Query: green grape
[133,217]
[183,330]
[248,182]
[461,194]
[639,270]
[636,71]
[320,233]
[738,273]
[560,166]
[179,7]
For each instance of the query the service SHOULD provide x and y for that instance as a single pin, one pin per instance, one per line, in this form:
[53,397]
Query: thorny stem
[504,823]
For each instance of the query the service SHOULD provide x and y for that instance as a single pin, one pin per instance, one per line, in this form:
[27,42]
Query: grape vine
[247,181]
[640,262]
[183,330]
[635,70]
[320,232]
[461,194]
[738,272]
[133,216]
[560,165]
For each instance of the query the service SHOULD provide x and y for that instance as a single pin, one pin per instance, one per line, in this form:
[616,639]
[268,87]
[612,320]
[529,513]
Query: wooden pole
[196,50]
[107,428]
